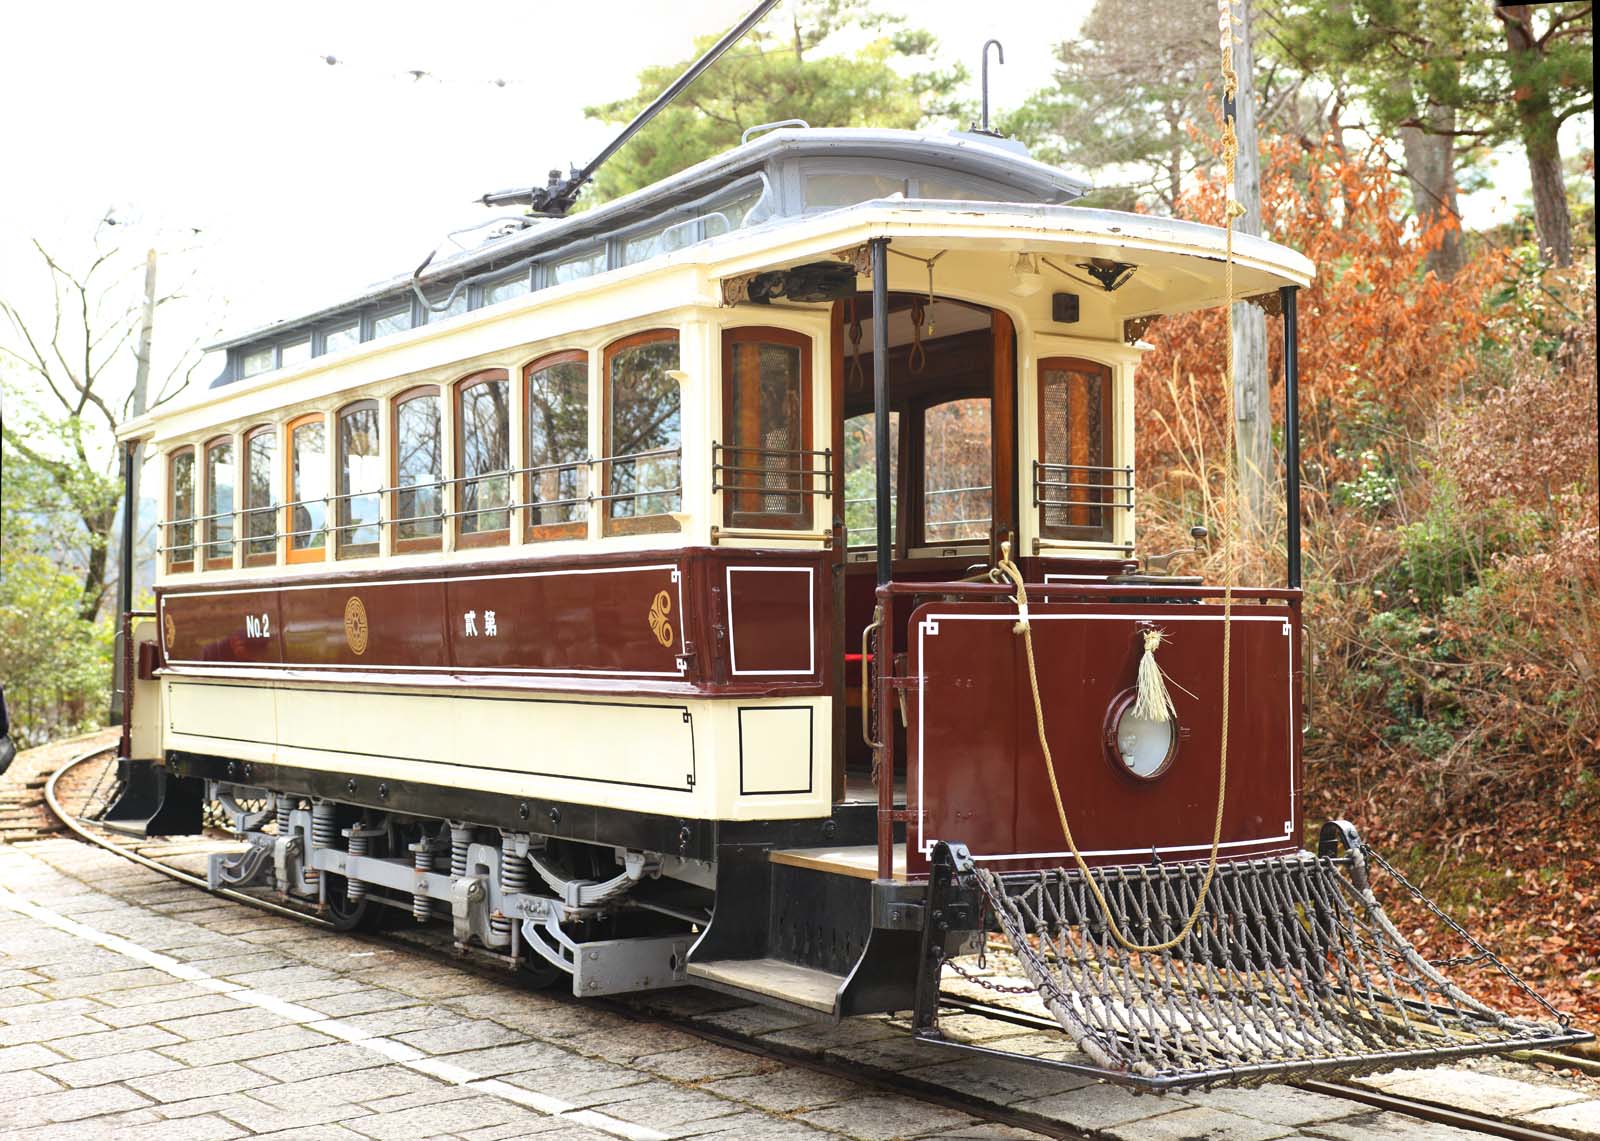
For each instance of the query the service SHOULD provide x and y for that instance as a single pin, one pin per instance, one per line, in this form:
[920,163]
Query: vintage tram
[623,591]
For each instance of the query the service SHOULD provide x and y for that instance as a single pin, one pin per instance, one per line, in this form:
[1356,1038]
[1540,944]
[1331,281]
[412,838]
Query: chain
[998,988]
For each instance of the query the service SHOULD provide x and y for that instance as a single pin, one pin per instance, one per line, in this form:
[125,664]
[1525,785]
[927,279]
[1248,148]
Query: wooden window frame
[204,546]
[245,510]
[635,524]
[173,521]
[397,545]
[731,516]
[533,532]
[1106,532]
[342,550]
[465,539]
[310,554]
[915,416]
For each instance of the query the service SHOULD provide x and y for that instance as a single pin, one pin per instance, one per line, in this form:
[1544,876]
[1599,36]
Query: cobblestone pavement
[135,1007]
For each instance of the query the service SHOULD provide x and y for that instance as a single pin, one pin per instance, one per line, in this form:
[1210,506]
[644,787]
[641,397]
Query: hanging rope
[917,360]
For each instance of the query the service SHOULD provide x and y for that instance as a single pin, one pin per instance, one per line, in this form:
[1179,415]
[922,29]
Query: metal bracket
[609,966]
[241,868]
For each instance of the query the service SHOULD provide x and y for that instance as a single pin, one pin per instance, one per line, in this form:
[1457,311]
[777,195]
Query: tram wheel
[345,914]
[537,974]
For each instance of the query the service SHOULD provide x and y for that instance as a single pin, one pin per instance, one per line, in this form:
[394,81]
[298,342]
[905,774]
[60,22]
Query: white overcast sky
[305,180]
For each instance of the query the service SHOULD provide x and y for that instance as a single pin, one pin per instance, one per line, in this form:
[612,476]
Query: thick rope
[1230,150]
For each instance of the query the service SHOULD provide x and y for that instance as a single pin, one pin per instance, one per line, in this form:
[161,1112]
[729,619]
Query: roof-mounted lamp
[1112,275]
[1026,278]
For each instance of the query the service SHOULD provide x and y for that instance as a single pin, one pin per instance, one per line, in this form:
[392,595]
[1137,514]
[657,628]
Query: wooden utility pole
[1252,402]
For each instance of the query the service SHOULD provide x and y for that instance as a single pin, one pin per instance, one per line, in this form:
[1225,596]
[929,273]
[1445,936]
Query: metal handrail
[811,476]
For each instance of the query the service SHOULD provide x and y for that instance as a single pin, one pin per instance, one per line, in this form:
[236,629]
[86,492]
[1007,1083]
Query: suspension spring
[355,890]
[285,806]
[460,837]
[422,861]
[324,832]
[514,872]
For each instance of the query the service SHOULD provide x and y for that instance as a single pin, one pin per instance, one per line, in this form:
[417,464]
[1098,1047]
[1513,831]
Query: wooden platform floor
[858,862]
[805,986]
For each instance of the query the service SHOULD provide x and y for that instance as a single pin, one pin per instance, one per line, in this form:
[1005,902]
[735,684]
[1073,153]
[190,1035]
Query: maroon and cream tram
[621,590]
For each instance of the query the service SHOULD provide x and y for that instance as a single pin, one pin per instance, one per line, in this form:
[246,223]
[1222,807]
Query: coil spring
[355,890]
[513,877]
[460,837]
[285,806]
[422,861]
[324,831]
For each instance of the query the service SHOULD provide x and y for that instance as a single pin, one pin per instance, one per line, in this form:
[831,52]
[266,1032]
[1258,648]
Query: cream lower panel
[774,757]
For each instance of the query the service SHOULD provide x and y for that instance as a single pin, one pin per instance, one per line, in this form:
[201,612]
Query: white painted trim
[925,846]
[811,620]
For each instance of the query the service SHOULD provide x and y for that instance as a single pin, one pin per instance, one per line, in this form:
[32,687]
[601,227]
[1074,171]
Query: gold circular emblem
[169,628]
[355,625]
[659,625]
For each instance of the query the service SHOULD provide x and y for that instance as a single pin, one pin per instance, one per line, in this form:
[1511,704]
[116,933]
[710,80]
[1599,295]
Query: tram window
[180,511]
[1074,448]
[294,352]
[218,527]
[308,488]
[643,433]
[418,470]
[766,378]
[260,495]
[360,480]
[825,191]
[584,265]
[343,337]
[391,322]
[558,443]
[483,418]
[257,362]
[506,288]
[957,495]
[860,487]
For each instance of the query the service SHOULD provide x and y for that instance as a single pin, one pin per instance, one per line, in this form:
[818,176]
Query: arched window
[1075,484]
[766,421]
[418,509]
[260,486]
[483,458]
[558,445]
[180,511]
[360,480]
[643,433]
[308,488]
[218,528]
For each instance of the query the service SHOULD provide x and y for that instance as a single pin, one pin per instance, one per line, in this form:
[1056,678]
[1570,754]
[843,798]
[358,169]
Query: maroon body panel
[976,772]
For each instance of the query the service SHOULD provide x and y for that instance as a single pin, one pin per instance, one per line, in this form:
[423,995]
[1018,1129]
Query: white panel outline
[443,670]
[925,846]
[811,620]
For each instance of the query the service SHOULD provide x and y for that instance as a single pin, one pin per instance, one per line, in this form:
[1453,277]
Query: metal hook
[1001,52]
[918,358]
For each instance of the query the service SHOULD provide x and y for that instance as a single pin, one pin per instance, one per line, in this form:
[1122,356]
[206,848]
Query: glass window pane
[828,190]
[457,306]
[956,490]
[485,450]
[506,289]
[558,433]
[584,265]
[180,540]
[219,501]
[261,495]
[1074,405]
[949,191]
[344,337]
[294,352]
[308,455]
[645,418]
[394,321]
[860,485]
[360,478]
[641,247]
[419,468]
[256,362]
[767,428]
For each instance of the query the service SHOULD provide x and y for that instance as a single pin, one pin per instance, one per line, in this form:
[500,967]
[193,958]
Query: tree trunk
[1430,168]
[1252,405]
[1540,136]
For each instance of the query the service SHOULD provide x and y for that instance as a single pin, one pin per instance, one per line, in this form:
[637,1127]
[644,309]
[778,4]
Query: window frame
[398,545]
[917,539]
[174,566]
[758,520]
[662,523]
[1105,533]
[275,510]
[468,539]
[533,532]
[309,554]
[205,541]
[341,500]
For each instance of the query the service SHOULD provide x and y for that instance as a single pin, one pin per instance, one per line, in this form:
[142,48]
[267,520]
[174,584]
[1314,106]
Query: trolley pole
[880,405]
[1287,297]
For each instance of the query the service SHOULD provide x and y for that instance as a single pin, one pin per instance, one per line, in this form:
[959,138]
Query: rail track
[157,856]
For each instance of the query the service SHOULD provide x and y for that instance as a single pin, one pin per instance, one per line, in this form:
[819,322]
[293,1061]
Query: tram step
[773,979]
[858,862]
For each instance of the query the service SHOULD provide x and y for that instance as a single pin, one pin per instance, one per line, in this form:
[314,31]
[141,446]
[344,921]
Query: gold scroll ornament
[659,626]
[355,625]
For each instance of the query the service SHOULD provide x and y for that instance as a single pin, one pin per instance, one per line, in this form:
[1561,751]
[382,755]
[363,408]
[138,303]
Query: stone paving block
[1378,1124]
[15,997]
[364,1001]
[171,1010]
[70,1105]
[822,1036]
[240,1047]
[1102,1106]
[997,1081]
[1472,1091]
[17,977]
[540,1017]
[451,1117]
[26,1056]
[755,1020]
[335,1058]
[25,1083]
[239,1020]
[498,1060]
[104,1042]
[163,988]
[95,986]
[207,1128]
[109,1128]
[703,1061]
[308,989]
[363,1085]
[315,1133]
[1576,1119]
[235,965]
[750,1125]
[222,1104]
[1282,1105]
[892,1054]
[199,1081]
[548,1127]
[48,1030]
[432,1096]
[884,1116]
[576,1080]
[260,1117]
[789,1090]
[616,1044]
[77,960]
[474,1034]
[111,1068]
[404,1020]
[49,1008]
[1198,1121]
[660,1105]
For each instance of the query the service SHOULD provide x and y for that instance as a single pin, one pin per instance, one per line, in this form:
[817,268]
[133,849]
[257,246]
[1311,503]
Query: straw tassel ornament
[1153,702]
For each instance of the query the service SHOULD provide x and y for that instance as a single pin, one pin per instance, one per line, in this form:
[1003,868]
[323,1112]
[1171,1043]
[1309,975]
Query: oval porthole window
[1138,746]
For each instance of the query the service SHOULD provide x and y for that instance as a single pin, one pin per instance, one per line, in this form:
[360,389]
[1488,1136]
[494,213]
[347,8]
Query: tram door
[952,397]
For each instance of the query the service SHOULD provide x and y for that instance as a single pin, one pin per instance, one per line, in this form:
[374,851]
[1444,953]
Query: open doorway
[952,399]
